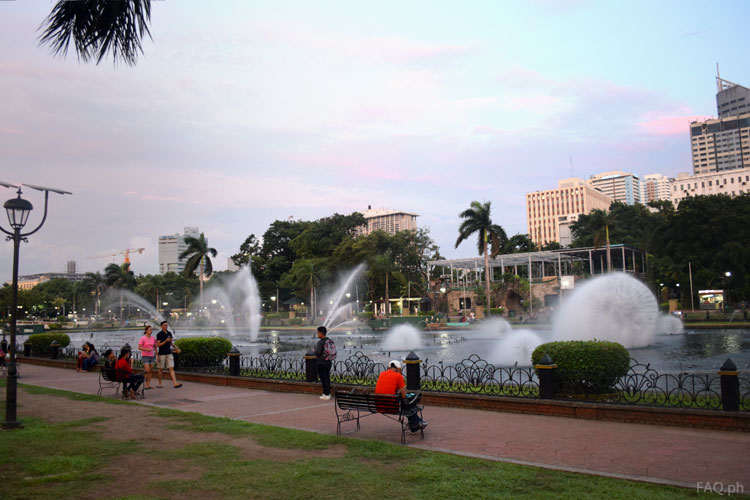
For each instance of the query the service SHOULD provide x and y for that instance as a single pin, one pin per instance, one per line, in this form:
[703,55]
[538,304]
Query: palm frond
[192,264]
[98,27]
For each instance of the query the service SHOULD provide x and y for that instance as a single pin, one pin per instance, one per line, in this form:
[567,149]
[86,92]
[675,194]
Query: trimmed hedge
[585,366]
[295,321]
[40,342]
[203,351]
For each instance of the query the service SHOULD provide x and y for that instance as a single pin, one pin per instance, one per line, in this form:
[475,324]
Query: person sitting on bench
[124,373]
[392,382]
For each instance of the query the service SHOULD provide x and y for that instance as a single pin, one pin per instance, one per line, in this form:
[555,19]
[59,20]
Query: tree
[519,243]
[477,220]
[98,27]
[199,255]
[150,286]
[304,276]
[250,248]
[95,283]
[120,277]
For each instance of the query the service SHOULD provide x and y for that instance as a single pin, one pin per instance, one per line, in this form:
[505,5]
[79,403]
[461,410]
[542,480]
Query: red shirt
[389,382]
[122,369]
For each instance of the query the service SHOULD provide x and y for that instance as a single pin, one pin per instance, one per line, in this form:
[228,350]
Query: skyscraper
[723,143]
[619,186]
[655,187]
[170,247]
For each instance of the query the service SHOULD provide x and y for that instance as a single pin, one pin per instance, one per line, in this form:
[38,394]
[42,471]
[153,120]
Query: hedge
[585,366]
[203,351]
[40,342]
[295,321]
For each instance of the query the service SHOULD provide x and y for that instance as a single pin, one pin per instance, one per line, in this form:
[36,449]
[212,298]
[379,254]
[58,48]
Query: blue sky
[240,113]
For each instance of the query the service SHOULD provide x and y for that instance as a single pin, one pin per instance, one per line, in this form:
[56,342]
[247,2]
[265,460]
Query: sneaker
[325,396]
[414,431]
[423,425]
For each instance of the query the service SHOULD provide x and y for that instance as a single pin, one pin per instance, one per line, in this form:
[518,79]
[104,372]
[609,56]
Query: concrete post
[546,372]
[311,366]
[730,386]
[26,349]
[55,348]
[234,362]
[413,375]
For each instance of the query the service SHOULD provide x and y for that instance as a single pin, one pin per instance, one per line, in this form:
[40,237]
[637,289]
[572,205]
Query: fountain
[614,307]
[669,325]
[113,298]
[338,309]
[491,329]
[402,338]
[515,348]
[237,303]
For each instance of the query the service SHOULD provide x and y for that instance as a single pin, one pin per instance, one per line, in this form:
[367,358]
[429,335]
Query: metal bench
[351,405]
[108,380]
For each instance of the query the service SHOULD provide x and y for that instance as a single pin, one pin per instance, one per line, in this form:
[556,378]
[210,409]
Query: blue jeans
[88,363]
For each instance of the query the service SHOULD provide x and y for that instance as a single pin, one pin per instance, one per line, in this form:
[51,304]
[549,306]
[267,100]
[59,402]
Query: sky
[241,113]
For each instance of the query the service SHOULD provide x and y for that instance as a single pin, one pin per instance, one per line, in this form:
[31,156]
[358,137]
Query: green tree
[98,27]
[490,236]
[198,255]
[121,278]
[519,243]
[95,284]
[304,277]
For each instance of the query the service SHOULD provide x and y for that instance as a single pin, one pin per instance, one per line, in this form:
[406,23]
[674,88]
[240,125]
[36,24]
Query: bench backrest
[368,401]
[108,372]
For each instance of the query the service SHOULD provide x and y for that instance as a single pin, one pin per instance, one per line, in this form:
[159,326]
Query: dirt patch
[138,424]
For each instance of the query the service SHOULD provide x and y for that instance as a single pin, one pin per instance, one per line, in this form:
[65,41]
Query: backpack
[329,350]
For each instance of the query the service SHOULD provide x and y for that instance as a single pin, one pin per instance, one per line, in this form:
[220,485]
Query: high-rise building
[655,187]
[723,143]
[549,211]
[619,186]
[170,247]
[390,221]
[733,183]
[732,99]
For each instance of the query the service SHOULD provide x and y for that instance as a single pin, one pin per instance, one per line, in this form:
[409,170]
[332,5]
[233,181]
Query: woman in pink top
[147,346]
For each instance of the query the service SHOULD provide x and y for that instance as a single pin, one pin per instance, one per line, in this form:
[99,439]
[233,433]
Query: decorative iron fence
[641,385]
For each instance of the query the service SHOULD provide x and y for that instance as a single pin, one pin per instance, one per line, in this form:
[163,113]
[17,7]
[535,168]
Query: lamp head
[18,211]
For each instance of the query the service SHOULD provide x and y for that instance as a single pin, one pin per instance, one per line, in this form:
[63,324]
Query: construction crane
[125,252]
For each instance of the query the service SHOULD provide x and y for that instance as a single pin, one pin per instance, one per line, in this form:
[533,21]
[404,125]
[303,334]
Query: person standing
[325,353]
[165,358]
[147,346]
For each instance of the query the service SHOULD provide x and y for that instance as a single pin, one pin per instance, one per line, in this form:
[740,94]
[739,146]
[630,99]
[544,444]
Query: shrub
[54,326]
[295,321]
[585,366]
[203,351]
[497,310]
[40,342]
[365,315]
[431,312]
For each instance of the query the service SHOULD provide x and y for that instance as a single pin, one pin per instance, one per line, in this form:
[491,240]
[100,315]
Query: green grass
[65,460]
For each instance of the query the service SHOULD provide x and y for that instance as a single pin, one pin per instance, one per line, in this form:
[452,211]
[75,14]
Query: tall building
[723,143]
[390,221]
[732,99]
[547,212]
[655,187]
[619,186]
[733,183]
[170,247]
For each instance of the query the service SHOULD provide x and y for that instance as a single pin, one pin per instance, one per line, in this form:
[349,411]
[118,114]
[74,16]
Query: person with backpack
[325,352]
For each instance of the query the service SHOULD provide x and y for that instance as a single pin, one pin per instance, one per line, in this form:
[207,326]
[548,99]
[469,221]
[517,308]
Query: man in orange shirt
[392,382]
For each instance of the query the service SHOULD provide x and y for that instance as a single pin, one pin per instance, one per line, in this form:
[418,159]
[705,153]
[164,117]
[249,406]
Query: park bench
[108,380]
[351,405]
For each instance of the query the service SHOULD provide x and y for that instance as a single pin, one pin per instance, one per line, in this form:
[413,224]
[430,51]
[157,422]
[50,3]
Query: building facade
[29,281]
[548,211]
[656,187]
[732,183]
[732,99]
[389,221]
[170,247]
[619,186]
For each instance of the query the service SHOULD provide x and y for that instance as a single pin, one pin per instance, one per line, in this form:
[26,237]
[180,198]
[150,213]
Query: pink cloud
[668,125]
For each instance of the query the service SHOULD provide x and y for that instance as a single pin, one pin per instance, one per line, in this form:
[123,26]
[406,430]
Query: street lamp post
[727,275]
[18,211]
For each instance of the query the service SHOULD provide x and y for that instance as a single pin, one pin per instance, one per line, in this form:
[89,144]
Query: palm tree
[198,253]
[97,27]
[384,264]
[120,277]
[151,286]
[477,220]
[601,220]
[94,282]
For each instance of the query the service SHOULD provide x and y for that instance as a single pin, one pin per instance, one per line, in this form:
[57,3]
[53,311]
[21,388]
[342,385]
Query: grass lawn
[207,457]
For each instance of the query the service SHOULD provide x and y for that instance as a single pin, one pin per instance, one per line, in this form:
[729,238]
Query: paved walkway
[670,455]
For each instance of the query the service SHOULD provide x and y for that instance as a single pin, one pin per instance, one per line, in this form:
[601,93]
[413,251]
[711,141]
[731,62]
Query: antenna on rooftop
[570,158]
